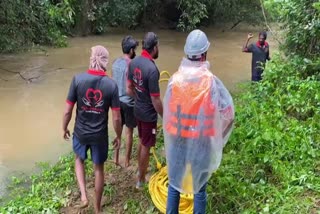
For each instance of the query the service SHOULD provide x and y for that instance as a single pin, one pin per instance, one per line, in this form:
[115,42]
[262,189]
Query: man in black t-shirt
[260,54]
[93,93]
[143,83]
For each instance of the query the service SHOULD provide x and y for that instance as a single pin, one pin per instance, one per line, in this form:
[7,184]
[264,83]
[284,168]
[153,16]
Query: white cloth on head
[99,58]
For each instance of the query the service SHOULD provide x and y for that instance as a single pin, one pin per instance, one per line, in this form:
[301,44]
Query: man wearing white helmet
[198,120]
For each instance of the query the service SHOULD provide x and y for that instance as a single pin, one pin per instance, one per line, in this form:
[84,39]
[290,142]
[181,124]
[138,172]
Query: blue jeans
[199,201]
[196,152]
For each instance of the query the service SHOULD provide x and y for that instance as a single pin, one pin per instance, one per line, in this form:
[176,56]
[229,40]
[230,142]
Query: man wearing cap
[260,54]
[143,84]
[93,93]
[119,73]
[197,122]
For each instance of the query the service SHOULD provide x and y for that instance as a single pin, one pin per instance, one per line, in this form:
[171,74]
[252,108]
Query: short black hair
[197,58]
[150,41]
[264,34]
[128,43]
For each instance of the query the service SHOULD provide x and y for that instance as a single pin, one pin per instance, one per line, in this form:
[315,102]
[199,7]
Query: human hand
[66,134]
[116,154]
[250,35]
[116,143]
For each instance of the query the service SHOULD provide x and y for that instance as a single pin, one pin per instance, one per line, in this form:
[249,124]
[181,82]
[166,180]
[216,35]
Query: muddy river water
[31,113]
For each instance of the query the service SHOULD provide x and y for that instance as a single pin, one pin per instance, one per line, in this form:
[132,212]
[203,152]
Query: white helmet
[197,43]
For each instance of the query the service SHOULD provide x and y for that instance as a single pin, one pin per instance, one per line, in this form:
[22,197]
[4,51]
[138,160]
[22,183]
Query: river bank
[272,131]
[33,87]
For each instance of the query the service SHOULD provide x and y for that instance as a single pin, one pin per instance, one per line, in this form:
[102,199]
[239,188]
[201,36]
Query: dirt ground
[120,195]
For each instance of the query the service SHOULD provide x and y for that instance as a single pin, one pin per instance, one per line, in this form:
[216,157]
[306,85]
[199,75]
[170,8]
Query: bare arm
[116,120]
[245,46]
[157,104]
[130,89]
[117,124]
[268,55]
[67,115]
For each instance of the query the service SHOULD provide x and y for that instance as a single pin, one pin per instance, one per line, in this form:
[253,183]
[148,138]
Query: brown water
[31,113]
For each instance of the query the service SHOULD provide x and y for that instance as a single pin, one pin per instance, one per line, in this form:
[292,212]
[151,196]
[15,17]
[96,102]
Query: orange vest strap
[190,134]
[195,117]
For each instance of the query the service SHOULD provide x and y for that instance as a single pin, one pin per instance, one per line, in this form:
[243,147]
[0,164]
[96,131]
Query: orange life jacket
[191,108]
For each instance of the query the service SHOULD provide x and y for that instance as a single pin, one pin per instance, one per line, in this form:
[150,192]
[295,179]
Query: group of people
[197,112]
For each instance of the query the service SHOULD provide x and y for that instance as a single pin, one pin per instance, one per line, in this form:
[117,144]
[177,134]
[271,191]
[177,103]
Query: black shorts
[127,115]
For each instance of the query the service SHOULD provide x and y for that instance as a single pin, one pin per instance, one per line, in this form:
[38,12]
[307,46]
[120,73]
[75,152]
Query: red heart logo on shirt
[93,96]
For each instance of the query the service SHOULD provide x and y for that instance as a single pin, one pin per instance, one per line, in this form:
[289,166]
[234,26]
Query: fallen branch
[22,76]
[28,80]
[4,79]
[235,24]
[53,70]
[14,72]
[30,69]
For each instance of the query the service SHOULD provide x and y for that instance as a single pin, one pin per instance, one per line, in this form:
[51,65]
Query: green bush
[46,192]
[271,163]
[38,22]
[205,12]
[116,13]
[300,19]
[193,12]
[235,11]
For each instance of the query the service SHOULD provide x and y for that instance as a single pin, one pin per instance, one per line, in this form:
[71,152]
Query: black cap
[150,40]
[128,43]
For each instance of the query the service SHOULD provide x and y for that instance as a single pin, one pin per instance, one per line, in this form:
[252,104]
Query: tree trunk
[81,20]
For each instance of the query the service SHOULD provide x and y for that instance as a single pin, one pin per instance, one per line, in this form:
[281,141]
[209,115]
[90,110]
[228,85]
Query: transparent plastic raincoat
[197,122]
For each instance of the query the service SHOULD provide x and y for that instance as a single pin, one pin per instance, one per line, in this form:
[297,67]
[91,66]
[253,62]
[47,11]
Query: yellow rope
[158,183]
[164,79]
[165,72]
[158,189]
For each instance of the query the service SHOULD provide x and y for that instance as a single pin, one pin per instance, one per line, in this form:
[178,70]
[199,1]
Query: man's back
[145,77]
[119,74]
[196,104]
[94,94]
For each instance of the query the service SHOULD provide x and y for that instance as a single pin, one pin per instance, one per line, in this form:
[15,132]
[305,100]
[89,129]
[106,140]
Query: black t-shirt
[94,93]
[144,75]
[259,56]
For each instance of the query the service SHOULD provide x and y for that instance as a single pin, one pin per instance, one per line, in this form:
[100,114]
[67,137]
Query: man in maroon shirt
[143,84]
[260,54]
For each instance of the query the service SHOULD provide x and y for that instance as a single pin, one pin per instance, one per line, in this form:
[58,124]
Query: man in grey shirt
[119,74]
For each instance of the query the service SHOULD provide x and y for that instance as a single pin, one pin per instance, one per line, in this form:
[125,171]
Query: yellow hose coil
[158,189]
[166,79]
[158,183]
[165,72]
